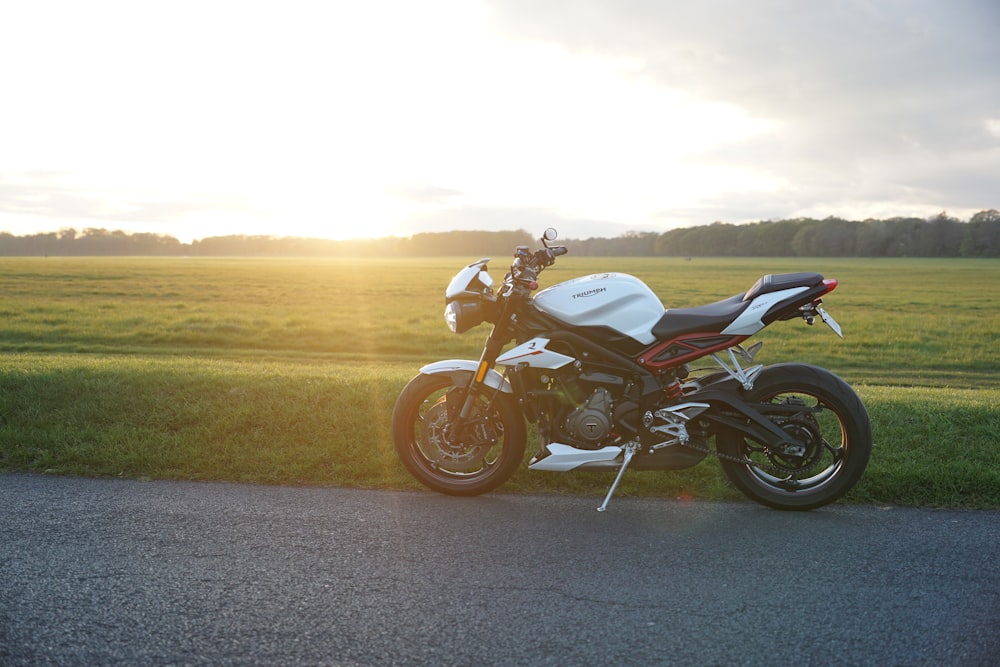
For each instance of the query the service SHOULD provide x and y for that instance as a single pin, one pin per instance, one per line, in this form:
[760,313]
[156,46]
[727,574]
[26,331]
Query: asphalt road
[103,572]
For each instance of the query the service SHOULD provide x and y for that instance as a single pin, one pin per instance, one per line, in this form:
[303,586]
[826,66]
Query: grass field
[285,371]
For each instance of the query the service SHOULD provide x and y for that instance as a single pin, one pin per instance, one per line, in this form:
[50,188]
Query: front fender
[459,371]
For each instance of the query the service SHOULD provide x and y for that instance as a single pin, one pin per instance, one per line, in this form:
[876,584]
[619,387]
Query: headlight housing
[463,314]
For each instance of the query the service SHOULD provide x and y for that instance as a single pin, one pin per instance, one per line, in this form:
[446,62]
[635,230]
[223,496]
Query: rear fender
[462,370]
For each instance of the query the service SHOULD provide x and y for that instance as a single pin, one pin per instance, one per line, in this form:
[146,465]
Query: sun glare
[343,135]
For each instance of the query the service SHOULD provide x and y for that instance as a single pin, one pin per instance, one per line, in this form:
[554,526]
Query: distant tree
[804,243]
[904,233]
[669,243]
[767,239]
[466,244]
[631,244]
[873,239]
[981,236]
[940,236]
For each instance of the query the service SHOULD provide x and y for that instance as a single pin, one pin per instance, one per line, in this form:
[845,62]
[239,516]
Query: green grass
[198,418]
[285,371]
[933,446]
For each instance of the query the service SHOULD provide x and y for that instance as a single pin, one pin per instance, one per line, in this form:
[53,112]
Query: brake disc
[445,451]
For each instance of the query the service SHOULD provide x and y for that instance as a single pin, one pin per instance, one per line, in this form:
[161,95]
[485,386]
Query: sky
[341,119]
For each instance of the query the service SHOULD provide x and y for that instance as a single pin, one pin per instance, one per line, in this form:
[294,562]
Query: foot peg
[630,450]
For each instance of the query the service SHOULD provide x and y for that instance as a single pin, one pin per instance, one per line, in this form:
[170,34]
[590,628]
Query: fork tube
[491,350]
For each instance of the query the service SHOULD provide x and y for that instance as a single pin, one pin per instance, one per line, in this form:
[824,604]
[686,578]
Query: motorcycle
[603,371]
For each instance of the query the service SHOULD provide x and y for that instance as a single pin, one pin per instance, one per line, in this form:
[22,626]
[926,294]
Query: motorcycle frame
[517,323]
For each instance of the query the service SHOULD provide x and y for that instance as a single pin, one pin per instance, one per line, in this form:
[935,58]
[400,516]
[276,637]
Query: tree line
[101,242]
[940,236]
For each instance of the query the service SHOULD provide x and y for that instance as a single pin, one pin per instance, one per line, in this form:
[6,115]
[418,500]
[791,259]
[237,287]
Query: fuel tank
[615,300]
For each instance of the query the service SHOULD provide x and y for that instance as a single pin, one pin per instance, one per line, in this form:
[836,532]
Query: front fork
[491,350]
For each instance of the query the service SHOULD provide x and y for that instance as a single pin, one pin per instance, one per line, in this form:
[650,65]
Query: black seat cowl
[780,281]
[715,317]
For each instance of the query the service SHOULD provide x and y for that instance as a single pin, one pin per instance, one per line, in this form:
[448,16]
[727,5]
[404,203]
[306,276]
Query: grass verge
[303,421]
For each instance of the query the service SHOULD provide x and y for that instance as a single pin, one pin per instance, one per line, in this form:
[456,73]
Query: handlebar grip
[558,250]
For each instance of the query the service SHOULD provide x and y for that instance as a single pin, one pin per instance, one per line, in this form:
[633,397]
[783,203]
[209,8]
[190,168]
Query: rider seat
[715,317]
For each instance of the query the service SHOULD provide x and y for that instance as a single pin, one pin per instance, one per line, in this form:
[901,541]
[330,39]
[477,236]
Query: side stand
[630,450]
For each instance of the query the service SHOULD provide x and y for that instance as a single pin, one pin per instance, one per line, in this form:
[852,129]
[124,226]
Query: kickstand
[630,450]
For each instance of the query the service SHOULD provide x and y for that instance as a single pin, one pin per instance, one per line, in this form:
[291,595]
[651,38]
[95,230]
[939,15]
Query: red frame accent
[646,359]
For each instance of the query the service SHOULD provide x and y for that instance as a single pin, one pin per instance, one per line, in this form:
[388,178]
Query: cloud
[422,193]
[44,194]
[779,56]
[869,98]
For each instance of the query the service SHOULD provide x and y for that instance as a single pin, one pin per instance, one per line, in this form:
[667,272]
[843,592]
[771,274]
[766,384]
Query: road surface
[105,571]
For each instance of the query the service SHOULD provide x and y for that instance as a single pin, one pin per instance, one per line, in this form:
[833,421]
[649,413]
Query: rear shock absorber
[672,391]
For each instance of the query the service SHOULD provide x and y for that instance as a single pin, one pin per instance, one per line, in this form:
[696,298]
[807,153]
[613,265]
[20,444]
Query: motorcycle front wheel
[476,460]
[833,434]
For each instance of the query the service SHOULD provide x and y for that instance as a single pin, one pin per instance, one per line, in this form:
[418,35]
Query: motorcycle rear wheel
[476,461]
[836,439]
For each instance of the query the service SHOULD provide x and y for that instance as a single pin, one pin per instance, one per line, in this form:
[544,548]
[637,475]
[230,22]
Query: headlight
[451,316]
[461,315]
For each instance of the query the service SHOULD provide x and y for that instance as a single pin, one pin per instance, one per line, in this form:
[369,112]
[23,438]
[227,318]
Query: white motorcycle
[603,371]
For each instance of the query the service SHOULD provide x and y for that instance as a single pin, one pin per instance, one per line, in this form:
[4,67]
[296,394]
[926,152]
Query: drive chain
[736,459]
[690,444]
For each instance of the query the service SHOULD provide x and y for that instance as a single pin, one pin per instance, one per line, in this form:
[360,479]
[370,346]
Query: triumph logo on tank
[590,292]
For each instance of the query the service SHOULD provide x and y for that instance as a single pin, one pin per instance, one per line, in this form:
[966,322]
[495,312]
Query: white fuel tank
[616,300]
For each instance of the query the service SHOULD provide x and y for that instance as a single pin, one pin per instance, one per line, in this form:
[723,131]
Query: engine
[586,410]
[591,422]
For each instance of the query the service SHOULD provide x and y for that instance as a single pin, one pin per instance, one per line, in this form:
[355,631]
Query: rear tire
[836,441]
[484,457]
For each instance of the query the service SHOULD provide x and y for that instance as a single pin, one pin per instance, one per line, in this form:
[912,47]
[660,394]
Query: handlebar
[547,256]
[527,265]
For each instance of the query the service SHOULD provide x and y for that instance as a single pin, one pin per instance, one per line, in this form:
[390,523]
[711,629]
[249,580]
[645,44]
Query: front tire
[835,436]
[476,461]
